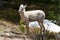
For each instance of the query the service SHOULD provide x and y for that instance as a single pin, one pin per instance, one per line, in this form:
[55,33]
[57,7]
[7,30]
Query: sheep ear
[25,6]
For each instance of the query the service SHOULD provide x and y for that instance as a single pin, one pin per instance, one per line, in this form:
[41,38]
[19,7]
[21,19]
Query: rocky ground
[10,31]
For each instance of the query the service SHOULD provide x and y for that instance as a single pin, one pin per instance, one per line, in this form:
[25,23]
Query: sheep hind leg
[42,30]
[41,36]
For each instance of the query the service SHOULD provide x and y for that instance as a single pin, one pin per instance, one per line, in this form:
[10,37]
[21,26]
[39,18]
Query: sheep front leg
[27,26]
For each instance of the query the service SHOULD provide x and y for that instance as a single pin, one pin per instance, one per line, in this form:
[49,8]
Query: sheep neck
[22,14]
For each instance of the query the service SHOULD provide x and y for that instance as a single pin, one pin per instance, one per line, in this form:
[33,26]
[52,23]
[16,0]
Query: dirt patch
[10,31]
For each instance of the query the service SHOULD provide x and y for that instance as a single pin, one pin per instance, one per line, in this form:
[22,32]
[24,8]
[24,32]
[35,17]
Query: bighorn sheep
[34,15]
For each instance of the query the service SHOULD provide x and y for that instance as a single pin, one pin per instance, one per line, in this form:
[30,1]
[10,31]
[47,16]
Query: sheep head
[22,7]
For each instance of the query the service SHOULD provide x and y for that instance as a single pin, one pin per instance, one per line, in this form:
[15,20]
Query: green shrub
[21,27]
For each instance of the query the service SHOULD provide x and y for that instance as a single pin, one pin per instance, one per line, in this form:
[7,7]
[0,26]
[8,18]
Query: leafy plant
[21,27]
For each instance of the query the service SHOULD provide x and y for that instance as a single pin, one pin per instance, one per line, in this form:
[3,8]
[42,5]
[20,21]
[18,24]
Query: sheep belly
[37,16]
[32,17]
